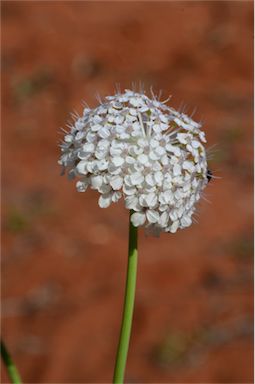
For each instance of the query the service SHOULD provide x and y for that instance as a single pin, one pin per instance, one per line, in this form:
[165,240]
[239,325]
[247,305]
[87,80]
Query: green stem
[10,366]
[128,309]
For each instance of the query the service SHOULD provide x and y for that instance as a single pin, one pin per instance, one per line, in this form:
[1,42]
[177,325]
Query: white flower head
[136,147]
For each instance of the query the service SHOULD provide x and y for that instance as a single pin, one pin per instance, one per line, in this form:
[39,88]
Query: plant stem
[128,308]
[10,366]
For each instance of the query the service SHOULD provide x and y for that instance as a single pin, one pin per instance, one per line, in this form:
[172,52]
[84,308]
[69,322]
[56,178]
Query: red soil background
[64,258]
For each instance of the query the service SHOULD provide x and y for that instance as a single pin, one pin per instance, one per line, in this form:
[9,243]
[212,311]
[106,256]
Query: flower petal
[138,219]
[96,181]
[105,200]
[116,182]
[152,216]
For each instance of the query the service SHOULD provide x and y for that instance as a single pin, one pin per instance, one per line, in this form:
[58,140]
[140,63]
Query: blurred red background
[64,258]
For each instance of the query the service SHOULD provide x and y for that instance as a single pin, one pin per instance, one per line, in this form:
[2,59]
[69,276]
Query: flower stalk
[128,308]
[10,366]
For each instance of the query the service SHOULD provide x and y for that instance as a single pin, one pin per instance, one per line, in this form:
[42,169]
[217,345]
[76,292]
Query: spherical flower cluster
[136,147]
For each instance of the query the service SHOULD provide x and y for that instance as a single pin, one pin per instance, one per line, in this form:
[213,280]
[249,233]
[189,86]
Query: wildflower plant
[135,147]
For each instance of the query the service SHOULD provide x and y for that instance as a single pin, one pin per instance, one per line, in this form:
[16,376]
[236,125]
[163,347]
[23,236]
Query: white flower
[137,148]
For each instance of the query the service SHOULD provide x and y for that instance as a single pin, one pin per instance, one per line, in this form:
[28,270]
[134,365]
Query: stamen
[141,123]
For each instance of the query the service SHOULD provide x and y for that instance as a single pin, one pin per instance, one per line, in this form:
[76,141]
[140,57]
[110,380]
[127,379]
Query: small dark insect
[209,175]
